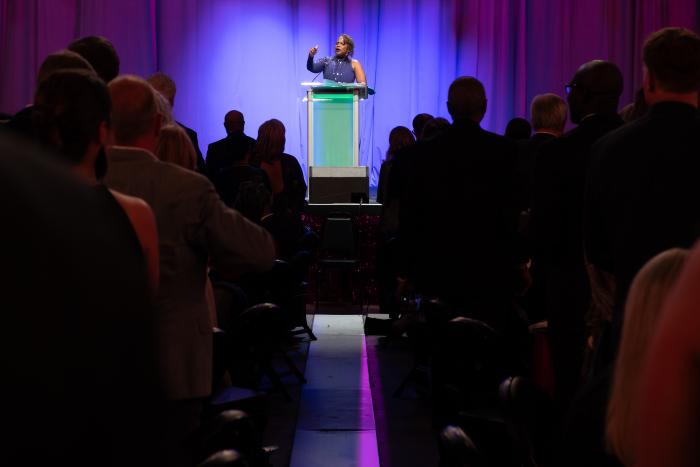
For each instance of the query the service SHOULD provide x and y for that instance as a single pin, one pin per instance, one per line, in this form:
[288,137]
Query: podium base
[338,185]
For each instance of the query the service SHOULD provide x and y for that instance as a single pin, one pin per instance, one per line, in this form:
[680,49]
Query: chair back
[457,449]
[339,237]
[471,358]
[226,458]
[528,411]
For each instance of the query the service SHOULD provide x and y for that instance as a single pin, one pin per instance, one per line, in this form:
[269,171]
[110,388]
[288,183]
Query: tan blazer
[194,226]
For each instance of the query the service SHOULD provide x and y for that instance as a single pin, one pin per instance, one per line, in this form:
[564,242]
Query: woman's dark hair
[399,138]
[350,43]
[70,106]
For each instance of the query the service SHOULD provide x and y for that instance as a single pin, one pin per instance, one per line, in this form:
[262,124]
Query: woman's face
[341,48]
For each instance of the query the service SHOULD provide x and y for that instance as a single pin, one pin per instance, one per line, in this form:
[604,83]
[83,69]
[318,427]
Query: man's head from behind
[72,112]
[548,114]
[466,99]
[62,60]
[595,88]
[419,122]
[672,61]
[234,122]
[135,118]
[100,53]
[164,85]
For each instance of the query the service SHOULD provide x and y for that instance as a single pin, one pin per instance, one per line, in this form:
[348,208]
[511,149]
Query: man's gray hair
[548,112]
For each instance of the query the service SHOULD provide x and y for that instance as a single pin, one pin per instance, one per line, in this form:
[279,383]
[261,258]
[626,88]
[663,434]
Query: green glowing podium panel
[333,124]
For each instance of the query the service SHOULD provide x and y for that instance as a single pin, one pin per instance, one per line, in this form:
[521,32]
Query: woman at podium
[341,68]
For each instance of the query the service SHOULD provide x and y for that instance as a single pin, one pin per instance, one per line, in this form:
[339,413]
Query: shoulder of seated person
[129,201]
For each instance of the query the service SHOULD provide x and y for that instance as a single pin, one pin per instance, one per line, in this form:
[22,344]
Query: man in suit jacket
[548,114]
[642,192]
[77,347]
[234,148]
[557,211]
[165,85]
[467,178]
[194,228]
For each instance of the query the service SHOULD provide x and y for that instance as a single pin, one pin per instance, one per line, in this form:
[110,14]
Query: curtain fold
[251,55]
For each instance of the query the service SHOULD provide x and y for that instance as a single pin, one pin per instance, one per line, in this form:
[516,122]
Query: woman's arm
[314,67]
[359,72]
[144,224]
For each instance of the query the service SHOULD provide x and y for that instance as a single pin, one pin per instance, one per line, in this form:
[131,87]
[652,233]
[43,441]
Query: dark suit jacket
[201,166]
[195,229]
[461,215]
[77,346]
[643,195]
[527,156]
[556,229]
[559,182]
[225,152]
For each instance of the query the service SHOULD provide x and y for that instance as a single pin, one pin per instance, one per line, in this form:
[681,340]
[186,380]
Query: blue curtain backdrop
[250,55]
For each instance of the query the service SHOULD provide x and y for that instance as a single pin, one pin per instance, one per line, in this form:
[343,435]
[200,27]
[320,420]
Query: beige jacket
[194,226]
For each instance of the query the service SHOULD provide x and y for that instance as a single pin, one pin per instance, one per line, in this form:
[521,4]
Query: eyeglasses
[569,87]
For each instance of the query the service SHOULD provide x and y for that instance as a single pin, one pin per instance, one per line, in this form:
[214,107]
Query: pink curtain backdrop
[251,55]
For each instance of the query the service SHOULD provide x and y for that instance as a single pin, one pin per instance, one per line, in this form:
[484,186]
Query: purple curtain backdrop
[251,55]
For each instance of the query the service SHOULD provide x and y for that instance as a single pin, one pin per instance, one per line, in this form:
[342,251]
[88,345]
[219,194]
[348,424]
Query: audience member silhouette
[548,114]
[648,293]
[165,85]
[77,352]
[459,221]
[399,138]
[164,109]
[584,442]
[518,128]
[556,218]
[21,123]
[232,149]
[434,127]
[418,124]
[667,411]
[283,171]
[175,146]
[401,174]
[100,53]
[71,114]
[642,196]
[195,229]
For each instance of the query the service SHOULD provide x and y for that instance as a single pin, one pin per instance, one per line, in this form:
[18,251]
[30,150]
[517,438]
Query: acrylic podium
[333,137]
[333,123]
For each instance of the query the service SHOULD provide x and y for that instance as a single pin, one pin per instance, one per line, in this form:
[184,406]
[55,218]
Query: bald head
[135,118]
[466,99]
[234,122]
[596,88]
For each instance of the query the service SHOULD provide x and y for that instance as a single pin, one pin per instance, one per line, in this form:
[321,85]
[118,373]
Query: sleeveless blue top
[335,69]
